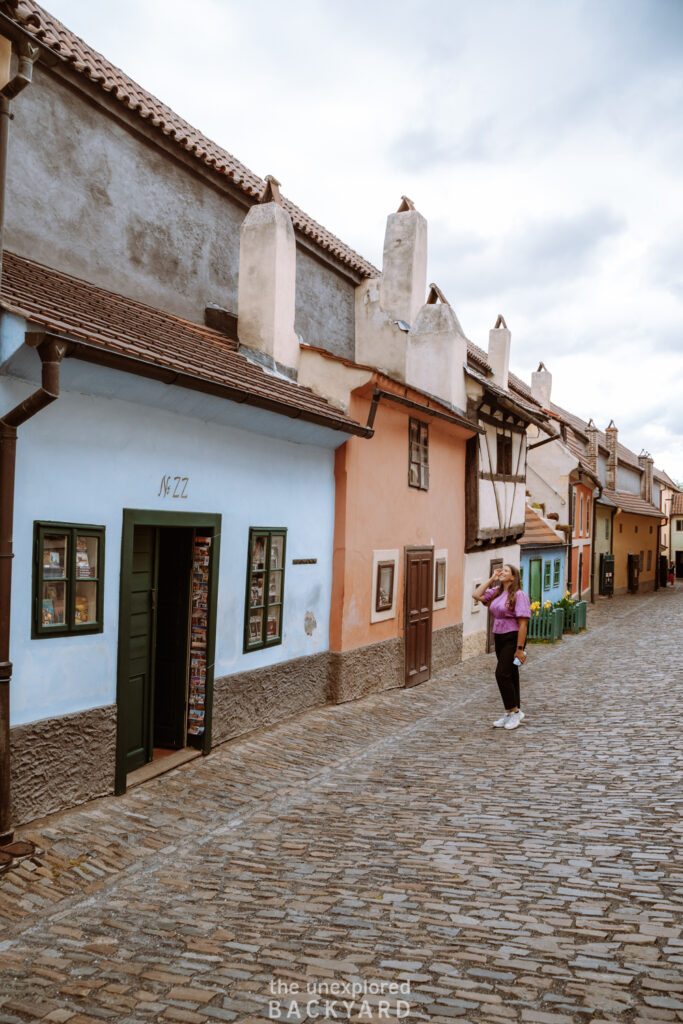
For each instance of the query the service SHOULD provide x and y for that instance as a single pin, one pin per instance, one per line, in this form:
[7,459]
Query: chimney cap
[406,205]
[271,193]
[436,295]
[610,425]
[590,425]
[500,322]
[542,368]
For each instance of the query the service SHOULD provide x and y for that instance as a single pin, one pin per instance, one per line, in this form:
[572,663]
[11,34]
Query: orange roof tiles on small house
[537,533]
[677,504]
[137,338]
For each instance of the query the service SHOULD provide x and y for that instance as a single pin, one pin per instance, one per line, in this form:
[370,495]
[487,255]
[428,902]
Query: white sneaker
[500,722]
[513,720]
[522,716]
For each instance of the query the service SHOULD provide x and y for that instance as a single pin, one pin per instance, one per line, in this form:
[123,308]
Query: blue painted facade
[553,569]
[91,454]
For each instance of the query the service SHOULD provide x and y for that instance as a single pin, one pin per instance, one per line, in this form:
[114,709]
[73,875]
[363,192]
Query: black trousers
[507,674]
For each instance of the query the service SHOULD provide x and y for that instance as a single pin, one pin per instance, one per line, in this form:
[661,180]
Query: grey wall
[628,480]
[89,197]
[325,307]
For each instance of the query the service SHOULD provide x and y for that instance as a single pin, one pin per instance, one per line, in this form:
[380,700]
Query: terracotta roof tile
[537,533]
[106,321]
[677,504]
[478,357]
[98,69]
[633,503]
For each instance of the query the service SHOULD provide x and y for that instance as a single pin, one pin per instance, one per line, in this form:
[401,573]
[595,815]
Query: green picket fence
[546,625]
[576,617]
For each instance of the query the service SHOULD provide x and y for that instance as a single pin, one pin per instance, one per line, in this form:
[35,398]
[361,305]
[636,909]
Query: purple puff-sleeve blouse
[505,621]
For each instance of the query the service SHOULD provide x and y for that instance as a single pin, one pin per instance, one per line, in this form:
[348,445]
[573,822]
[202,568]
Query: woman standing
[511,612]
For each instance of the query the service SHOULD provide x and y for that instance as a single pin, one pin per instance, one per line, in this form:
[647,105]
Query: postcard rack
[201,557]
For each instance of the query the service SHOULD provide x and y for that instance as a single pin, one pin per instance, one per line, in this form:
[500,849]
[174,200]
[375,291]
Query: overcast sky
[541,139]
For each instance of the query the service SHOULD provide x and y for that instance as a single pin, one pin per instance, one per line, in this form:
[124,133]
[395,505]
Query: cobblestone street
[534,875]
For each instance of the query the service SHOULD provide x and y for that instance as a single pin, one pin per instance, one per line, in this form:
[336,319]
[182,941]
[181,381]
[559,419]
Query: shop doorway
[679,565]
[166,637]
[418,614]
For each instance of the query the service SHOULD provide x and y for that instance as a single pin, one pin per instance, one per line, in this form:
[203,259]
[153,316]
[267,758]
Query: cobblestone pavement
[533,875]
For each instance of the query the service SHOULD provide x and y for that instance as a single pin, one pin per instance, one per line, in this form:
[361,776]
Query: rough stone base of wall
[446,648]
[473,644]
[366,670]
[264,696]
[61,762]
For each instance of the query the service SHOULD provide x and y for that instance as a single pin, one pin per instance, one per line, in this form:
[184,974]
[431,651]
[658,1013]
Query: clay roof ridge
[93,65]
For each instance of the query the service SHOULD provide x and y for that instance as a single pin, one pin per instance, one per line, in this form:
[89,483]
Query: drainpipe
[51,352]
[570,539]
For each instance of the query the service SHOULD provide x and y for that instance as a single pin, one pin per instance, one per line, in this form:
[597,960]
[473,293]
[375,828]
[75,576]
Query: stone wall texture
[62,762]
[251,700]
[474,644]
[446,648]
[367,669]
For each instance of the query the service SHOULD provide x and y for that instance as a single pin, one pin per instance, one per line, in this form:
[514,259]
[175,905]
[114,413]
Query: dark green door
[173,617]
[135,708]
[535,581]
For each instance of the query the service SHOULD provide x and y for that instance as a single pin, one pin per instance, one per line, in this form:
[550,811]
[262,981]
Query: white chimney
[499,353]
[267,280]
[404,266]
[541,385]
[437,351]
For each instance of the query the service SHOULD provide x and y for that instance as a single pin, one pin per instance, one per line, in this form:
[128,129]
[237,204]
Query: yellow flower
[548,604]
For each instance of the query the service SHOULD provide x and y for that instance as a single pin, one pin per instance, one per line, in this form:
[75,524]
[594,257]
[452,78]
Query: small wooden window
[504,455]
[384,597]
[641,560]
[679,525]
[546,575]
[606,529]
[649,560]
[265,588]
[68,579]
[440,579]
[556,572]
[418,455]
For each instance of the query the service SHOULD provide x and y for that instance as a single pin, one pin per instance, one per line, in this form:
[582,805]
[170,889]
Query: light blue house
[542,559]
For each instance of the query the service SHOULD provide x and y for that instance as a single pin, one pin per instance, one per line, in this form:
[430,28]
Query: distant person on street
[511,612]
[672,574]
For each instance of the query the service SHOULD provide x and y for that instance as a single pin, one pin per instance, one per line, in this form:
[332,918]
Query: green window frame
[68,579]
[418,455]
[556,572]
[521,576]
[264,602]
[546,575]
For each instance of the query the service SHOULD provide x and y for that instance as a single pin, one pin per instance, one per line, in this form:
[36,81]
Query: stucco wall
[84,459]
[631,536]
[377,510]
[118,211]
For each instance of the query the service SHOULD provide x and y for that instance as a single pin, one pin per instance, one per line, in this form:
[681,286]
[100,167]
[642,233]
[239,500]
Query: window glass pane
[54,555]
[257,584]
[414,475]
[258,551]
[255,627]
[275,587]
[86,602]
[440,585]
[273,626]
[86,557]
[54,597]
[277,551]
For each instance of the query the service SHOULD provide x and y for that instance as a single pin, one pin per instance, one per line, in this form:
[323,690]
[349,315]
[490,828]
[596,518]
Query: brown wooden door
[418,614]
